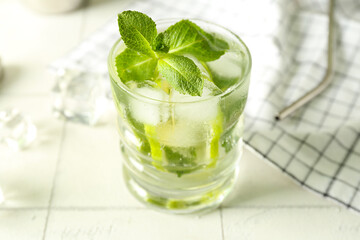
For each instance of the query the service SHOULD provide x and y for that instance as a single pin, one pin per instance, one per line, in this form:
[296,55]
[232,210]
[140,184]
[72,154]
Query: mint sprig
[148,53]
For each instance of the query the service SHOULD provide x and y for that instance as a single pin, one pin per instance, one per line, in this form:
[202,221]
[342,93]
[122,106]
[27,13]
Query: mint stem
[172,108]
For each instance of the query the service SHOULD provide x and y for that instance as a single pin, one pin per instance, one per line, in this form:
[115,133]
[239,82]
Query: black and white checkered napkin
[319,146]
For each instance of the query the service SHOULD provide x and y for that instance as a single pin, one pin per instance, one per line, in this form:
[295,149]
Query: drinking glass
[181,155]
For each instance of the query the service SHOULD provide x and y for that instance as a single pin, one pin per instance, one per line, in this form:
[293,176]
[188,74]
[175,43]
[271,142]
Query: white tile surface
[26,176]
[90,170]
[88,199]
[131,224]
[290,223]
[261,184]
[22,224]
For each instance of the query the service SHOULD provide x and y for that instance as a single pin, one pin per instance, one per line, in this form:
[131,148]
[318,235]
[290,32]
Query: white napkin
[319,146]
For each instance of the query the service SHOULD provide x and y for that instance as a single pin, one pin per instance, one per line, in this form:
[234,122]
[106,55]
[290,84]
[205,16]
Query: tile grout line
[222,224]
[106,208]
[54,180]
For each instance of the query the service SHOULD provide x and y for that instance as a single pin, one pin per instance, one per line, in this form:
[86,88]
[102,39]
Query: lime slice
[155,147]
[216,128]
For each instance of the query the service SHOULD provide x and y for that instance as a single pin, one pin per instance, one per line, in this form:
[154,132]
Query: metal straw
[327,78]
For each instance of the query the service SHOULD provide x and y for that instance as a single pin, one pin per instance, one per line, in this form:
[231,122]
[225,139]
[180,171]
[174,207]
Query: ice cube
[195,108]
[146,83]
[227,70]
[199,109]
[81,96]
[147,111]
[229,65]
[210,89]
[204,71]
[16,129]
[180,134]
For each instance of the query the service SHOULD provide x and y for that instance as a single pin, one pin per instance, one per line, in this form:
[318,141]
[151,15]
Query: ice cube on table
[16,129]
[81,96]
[148,111]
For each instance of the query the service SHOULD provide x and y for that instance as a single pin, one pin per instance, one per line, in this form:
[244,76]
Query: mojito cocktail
[180,88]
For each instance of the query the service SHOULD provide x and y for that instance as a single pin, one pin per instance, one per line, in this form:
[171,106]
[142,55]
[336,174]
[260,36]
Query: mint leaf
[159,44]
[132,65]
[182,74]
[138,31]
[185,37]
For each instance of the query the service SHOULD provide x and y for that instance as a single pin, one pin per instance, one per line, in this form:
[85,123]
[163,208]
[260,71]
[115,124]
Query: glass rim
[120,84]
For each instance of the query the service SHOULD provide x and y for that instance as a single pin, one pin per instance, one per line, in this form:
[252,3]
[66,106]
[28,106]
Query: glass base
[181,201]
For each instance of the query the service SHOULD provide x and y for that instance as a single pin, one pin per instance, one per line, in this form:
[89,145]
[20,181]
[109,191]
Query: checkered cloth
[319,146]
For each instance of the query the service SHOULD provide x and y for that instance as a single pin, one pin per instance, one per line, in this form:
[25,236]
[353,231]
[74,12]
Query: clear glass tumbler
[182,155]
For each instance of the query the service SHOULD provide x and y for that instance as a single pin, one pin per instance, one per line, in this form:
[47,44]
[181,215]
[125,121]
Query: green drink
[180,111]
